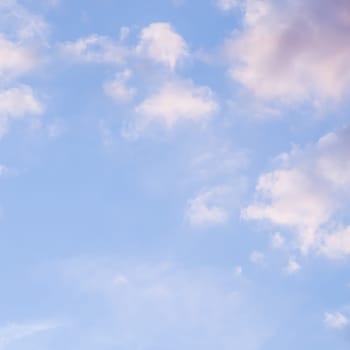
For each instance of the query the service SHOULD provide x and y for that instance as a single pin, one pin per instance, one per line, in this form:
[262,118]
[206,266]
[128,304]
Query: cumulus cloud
[306,192]
[176,101]
[22,35]
[118,89]
[209,207]
[94,49]
[160,43]
[293,50]
[335,320]
[15,59]
[16,103]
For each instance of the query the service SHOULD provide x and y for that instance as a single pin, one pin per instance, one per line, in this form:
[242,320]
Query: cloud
[15,331]
[16,103]
[293,50]
[227,5]
[161,44]
[209,207]
[293,266]
[95,49]
[337,243]
[22,25]
[163,305]
[307,190]
[176,101]
[118,90]
[15,59]
[335,320]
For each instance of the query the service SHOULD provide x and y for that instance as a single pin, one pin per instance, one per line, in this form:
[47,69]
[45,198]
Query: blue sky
[174,174]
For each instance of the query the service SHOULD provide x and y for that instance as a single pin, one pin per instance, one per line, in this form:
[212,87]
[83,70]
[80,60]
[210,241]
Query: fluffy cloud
[293,50]
[335,320]
[160,43]
[95,49]
[178,101]
[16,103]
[118,90]
[15,59]
[209,207]
[306,192]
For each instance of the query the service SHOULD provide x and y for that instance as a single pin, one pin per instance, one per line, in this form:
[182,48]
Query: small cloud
[335,320]
[209,207]
[174,102]
[160,43]
[293,266]
[118,90]
[94,49]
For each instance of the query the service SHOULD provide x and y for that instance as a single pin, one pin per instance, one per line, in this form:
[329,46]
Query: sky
[174,174]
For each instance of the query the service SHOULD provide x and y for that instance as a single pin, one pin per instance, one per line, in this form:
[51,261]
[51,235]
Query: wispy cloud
[17,331]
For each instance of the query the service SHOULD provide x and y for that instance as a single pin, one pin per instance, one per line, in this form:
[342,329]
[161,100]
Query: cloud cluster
[21,36]
[306,192]
[169,100]
[293,50]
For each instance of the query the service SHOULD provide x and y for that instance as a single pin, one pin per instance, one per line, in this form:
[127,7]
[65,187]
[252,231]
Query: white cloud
[13,332]
[293,50]
[293,266]
[15,59]
[335,320]
[227,5]
[161,44]
[16,103]
[95,49]
[307,190]
[209,207]
[337,244]
[177,101]
[118,90]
